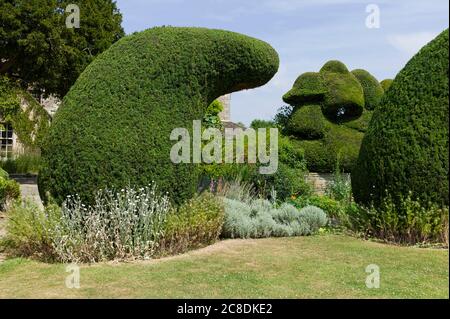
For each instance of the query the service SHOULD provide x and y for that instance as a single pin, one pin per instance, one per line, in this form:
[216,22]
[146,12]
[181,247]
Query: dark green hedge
[113,127]
[339,141]
[337,90]
[345,98]
[307,122]
[386,84]
[334,66]
[406,146]
[373,91]
[361,124]
[328,118]
[309,87]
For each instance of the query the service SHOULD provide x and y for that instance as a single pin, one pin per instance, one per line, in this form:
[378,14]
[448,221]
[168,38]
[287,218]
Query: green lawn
[326,266]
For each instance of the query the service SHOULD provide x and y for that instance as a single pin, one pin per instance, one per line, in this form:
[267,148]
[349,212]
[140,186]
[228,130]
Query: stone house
[34,118]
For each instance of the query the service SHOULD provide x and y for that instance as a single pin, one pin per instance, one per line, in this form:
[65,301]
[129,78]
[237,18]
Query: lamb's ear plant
[124,224]
[120,225]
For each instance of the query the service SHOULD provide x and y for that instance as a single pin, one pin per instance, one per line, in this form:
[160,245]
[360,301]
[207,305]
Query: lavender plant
[120,225]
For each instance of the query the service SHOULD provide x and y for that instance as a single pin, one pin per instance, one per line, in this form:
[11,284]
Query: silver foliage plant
[261,218]
[120,225]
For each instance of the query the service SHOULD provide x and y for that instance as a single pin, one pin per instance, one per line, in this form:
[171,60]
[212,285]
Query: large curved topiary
[373,91]
[406,146]
[329,116]
[113,128]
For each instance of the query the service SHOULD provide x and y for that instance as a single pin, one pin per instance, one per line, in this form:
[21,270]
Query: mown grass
[326,266]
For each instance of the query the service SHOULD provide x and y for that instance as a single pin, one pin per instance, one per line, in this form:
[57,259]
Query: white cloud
[411,43]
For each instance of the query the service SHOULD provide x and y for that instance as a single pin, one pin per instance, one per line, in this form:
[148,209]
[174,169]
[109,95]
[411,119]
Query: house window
[6,140]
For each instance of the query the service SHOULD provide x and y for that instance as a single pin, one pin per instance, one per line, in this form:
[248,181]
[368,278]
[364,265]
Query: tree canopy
[38,50]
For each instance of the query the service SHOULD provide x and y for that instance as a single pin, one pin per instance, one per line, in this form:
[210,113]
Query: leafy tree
[212,115]
[38,49]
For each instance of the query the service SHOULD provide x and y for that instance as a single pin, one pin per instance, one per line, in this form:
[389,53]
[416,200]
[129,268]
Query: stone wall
[319,181]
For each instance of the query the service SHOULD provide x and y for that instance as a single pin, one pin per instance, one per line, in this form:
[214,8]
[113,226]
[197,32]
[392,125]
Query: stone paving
[29,189]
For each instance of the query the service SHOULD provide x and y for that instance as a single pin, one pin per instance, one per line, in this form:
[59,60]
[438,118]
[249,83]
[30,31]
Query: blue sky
[306,34]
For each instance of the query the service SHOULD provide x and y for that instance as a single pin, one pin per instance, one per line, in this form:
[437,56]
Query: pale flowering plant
[123,224]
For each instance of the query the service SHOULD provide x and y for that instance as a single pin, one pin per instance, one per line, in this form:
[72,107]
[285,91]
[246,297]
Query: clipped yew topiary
[308,122]
[386,84]
[337,90]
[373,91]
[334,66]
[406,146]
[309,87]
[113,128]
[328,117]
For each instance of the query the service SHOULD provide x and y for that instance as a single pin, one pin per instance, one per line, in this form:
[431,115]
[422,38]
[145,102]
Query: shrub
[284,183]
[3,174]
[113,127]
[120,225]
[404,221]
[287,180]
[129,224]
[308,88]
[345,99]
[256,124]
[195,224]
[331,207]
[28,163]
[314,217]
[336,89]
[334,66]
[386,84]
[321,155]
[373,91]
[339,127]
[237,190]
[307,122]
[261,219]
[9,191]
[211,119]
[30,231]
[361,124]
[340,187]
[406,146]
